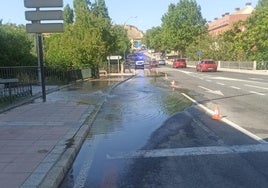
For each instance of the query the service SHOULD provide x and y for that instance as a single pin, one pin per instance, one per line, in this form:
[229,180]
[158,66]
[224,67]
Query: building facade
[227,20]
[135,35]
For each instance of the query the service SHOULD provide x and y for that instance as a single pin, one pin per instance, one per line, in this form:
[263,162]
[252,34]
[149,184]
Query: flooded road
[132,111]
[146,135]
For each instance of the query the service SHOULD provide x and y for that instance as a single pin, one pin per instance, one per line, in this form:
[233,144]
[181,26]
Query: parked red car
[179,63]
[206,65]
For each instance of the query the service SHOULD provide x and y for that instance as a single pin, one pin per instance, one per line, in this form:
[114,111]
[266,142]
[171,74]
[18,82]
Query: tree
[99,9]
[15,46]
[253,40]
[68,15]
[121,43]
[153,39]
[88,41]
[181,24]
[262,3]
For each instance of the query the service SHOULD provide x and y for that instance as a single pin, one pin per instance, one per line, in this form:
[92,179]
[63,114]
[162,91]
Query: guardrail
[252,65]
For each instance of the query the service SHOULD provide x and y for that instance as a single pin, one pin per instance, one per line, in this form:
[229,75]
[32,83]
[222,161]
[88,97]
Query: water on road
[131,113]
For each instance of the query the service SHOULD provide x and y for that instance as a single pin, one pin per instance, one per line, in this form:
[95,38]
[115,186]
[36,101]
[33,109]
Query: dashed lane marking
[260,79]
[265,88]
[222,84]
[234,87]
[257,93]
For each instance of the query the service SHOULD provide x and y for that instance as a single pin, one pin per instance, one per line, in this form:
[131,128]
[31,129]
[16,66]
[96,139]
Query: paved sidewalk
[33,137]
[39,141]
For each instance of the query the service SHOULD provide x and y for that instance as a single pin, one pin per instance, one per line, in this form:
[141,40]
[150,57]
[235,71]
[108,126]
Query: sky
[144,14]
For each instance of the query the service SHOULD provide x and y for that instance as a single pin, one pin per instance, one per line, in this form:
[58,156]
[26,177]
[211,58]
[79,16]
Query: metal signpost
[38,28]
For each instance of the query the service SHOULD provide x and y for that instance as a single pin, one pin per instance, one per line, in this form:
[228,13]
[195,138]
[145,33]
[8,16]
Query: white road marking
[257,93]
[80,181]
[234,87]
[256,79]
[225,78]
[265,88]
[220,83]
[217,92]
[225,120]
[194,151]
[235,79]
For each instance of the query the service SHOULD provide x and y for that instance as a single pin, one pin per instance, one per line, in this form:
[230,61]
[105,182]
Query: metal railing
[27,76]
[30,74]
[10,92]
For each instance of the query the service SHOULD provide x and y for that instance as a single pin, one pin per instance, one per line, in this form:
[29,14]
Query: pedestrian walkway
[39,140]
[35,136]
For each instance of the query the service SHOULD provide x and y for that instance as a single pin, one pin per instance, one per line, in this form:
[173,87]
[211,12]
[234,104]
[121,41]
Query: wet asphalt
[147,135]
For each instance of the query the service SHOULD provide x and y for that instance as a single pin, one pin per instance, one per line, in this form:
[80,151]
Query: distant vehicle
[139,64]
[139,57]
[153,63]
[179,63]
[161,62]
[206,65]
[131,56]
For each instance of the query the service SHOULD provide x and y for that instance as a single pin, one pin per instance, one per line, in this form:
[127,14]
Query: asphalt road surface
[242,98]
[137,141]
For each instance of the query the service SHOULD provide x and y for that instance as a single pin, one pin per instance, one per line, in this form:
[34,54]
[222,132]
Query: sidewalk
[38,141]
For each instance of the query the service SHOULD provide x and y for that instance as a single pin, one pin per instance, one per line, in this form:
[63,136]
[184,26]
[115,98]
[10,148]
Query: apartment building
[219,25]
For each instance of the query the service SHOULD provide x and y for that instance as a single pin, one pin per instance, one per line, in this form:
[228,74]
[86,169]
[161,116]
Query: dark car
[179,63]
[206,65]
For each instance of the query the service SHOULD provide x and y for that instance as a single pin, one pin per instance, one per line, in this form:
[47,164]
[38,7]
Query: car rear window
[181,60]
[209,62]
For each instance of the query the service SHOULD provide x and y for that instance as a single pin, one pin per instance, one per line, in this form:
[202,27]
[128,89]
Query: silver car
[161,62]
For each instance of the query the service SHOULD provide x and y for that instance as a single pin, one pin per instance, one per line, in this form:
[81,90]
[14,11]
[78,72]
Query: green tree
[203,47]
[253,41]
[99,8]
[262,3]
[153,39]
[181,24]
[120,41]
[87,42]
[15,46]
[68,14]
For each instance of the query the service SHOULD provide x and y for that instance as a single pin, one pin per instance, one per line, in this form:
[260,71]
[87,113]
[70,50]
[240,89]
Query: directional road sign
[44,15]
[114,57]
[43,3]
[44,28]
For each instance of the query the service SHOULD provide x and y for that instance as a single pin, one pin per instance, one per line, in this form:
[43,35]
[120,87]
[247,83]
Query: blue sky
[143,14]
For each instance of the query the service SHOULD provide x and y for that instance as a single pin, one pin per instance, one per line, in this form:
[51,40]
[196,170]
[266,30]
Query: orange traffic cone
[216,115]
